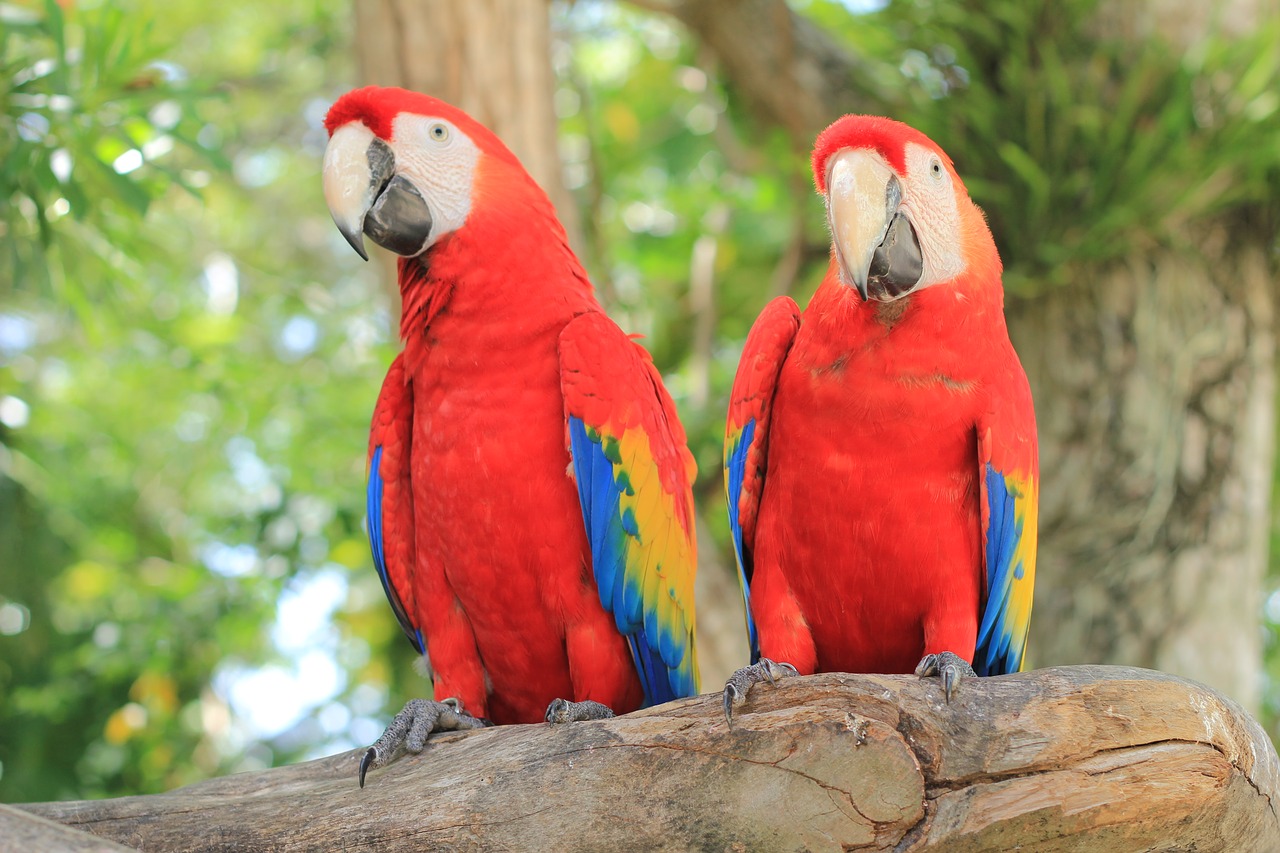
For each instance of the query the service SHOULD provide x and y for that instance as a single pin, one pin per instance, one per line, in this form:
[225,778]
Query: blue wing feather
[736,469]
[373,509]
[654,653]
[993,656]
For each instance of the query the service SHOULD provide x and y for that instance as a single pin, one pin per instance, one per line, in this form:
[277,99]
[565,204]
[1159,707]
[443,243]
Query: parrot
[880,458]
[529,506]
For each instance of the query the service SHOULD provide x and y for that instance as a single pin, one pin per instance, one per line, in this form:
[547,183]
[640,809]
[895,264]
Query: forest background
[189,351]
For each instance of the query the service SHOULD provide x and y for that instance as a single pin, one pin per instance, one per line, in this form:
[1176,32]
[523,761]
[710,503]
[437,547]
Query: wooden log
[22,831]
[1070,758]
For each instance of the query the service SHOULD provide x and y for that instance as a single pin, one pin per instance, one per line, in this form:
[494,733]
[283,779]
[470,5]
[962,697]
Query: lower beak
[876,244]
[366,196]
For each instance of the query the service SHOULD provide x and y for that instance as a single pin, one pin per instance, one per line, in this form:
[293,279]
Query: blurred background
[189,351]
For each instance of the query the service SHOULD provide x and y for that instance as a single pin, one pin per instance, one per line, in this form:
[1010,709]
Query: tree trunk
[1156,405]
[1080,758]
[491,58]
[1154,389]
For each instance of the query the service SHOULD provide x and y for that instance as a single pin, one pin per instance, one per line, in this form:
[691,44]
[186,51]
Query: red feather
[377,107]
[877,133]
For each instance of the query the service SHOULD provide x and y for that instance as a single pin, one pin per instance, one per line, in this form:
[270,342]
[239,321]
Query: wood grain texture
[1072,758]
[22,831]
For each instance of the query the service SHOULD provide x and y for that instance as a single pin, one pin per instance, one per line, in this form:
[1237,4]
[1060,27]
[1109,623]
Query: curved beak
[876,245]
[366,196]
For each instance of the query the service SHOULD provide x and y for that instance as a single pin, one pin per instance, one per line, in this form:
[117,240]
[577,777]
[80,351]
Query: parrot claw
[564,711]
[741,682]
[951,667]
[411,727]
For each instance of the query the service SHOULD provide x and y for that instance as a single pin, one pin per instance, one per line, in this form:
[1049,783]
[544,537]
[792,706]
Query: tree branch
[785,67]
[21,830]
[1079,758]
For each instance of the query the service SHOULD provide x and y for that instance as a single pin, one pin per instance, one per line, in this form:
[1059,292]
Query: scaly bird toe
[411,727]
[950,667]
[741,682]
[564,711]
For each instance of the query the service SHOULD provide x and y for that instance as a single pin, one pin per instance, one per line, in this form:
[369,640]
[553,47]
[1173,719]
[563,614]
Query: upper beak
[875,242]
[366,196]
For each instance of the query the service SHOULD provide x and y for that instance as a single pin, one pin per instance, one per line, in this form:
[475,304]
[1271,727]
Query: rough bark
[492,58]
[1080,758]
[1154,387]
[1157,444]
[22,831]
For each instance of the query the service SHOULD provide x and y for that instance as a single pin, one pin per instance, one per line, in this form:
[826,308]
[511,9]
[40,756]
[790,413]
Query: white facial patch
[441,161]
[930,202]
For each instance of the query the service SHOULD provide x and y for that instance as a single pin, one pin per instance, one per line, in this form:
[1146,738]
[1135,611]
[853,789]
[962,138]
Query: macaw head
[403,167]
[900,217]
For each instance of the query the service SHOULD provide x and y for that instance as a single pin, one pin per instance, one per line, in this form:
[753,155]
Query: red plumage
[863,520]
[885,136]
[868,521]
[477,513]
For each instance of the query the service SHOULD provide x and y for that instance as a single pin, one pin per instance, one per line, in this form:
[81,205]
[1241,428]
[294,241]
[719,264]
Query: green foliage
[1081,145]
[84,131]
[178,346]
[97,658]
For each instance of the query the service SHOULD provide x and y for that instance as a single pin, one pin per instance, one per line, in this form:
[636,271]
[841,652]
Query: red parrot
[880,451]
[529,502]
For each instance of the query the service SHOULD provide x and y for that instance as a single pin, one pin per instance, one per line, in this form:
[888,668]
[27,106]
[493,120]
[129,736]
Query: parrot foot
[741,682]
[950,666]
[411,727]
[564,711]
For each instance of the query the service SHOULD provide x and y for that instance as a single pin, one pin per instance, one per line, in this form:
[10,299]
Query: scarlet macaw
[529,500]
[880,450]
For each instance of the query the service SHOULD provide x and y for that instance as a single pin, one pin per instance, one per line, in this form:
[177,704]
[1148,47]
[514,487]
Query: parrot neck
[964,308]
[508,271]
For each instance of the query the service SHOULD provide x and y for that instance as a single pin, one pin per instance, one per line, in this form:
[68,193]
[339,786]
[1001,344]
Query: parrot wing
[746,437]
[1010,492]
[390,498]
[633,472]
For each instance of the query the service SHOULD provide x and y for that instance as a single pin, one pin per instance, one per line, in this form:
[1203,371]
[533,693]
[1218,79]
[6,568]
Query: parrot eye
[936,169]
[439,132]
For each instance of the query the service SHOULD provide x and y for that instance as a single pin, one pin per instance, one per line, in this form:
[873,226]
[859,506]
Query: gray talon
[409,730]
[741,682]
[950,667]
[564,711]
[731,697]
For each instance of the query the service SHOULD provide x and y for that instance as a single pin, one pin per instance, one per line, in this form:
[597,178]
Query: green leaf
[124,188]
[57,31]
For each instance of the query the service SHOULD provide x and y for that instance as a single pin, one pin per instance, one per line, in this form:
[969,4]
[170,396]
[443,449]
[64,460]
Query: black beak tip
[860,284]
[357,242]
